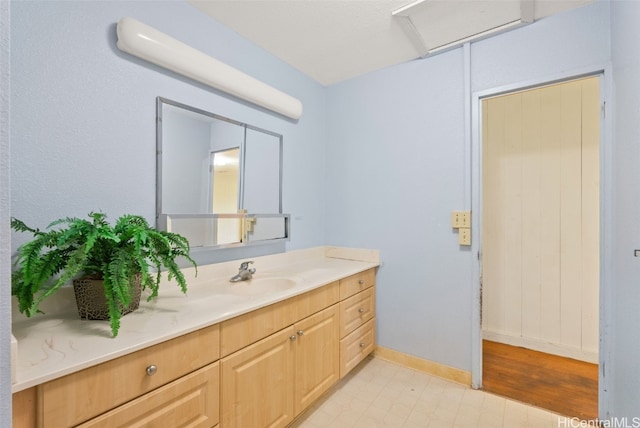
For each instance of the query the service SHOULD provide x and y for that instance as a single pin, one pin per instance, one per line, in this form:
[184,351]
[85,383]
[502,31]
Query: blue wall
[83,113]
[395,171]
[397,168]
[625,295]
[5,212]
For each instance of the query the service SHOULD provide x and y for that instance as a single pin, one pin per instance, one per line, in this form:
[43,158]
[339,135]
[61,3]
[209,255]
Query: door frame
[606,223]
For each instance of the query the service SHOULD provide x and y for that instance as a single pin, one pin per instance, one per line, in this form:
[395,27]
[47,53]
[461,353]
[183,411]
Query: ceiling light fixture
[406,9]
[143,41]
[479,36]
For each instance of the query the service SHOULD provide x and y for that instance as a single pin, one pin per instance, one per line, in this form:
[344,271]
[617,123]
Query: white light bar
[479,36]
[146,42]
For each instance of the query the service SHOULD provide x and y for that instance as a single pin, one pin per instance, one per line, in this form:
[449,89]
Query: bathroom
[378,161]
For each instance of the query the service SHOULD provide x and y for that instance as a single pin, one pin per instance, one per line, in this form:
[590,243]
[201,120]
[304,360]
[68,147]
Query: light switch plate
[464,236]
[460,219]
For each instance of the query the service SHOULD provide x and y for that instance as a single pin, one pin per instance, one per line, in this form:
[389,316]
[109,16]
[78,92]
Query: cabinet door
[257,383]
[25,408]
[317,356]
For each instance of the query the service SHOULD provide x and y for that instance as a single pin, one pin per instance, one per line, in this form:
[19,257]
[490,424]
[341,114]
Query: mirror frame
[163,219]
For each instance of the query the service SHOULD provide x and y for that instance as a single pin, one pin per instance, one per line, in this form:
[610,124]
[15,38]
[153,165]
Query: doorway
[540,238]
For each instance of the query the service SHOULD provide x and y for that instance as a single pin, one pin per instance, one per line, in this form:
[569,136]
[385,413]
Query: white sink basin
[261,286]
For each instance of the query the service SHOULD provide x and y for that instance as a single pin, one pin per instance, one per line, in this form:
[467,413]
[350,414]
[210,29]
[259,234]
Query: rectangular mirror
[219,181]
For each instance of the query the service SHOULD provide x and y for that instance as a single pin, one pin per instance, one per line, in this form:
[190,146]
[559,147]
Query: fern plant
[74,247]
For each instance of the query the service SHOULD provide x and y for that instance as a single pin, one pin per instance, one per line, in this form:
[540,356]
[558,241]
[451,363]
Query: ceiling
[335,40]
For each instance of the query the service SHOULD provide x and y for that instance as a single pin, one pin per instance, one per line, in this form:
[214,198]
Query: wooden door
[317,357]
[540,218]
[257,383]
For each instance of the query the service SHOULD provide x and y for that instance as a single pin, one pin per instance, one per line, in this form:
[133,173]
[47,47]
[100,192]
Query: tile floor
[382,394]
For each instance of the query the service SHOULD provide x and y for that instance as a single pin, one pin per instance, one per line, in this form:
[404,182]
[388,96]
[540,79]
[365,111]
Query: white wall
[397,168]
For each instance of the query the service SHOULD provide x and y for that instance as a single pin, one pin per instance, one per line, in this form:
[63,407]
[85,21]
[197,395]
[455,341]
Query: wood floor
[568,387]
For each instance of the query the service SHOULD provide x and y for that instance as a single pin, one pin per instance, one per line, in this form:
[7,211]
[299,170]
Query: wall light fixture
[146,42]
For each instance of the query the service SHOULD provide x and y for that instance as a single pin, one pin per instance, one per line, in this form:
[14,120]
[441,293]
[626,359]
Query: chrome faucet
[244,273]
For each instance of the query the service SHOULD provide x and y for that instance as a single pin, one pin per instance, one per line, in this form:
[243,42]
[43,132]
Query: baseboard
[422,365]
[546,347]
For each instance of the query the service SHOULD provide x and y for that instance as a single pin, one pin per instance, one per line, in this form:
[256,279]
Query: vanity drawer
[356,310]
[246,329]
[82,395]
[192,400]
[356,283]
[356,346]
[316,300]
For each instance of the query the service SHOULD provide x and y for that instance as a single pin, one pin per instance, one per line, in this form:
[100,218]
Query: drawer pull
[361,282]
[361,310]
[292,337]
[362,345]
[300,332]
[152,369]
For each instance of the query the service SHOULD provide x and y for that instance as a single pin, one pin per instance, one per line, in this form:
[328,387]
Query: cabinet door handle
[361,310]
[362,345]
[300,332]
[152,369]
[292,337]
[361,282]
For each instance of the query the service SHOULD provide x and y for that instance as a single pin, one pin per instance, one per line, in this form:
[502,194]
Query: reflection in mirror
[261,180]
[225,185]
[219,182]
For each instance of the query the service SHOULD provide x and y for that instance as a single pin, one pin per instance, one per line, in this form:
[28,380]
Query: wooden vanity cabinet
[357,319]
[260,369]
[269,382]
[136,386]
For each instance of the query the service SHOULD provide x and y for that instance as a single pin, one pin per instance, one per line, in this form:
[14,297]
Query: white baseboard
[538,345]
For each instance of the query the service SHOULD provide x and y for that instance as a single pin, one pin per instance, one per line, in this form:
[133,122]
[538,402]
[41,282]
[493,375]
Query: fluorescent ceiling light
[405,10]
[478,36]
[147,43]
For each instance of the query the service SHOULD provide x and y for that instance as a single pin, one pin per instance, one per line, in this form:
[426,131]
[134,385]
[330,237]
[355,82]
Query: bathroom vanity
[255,353]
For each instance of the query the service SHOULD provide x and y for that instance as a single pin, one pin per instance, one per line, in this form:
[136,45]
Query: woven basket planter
[92,303]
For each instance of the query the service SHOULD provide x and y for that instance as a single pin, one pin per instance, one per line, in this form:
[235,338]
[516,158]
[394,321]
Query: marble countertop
[60,343]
